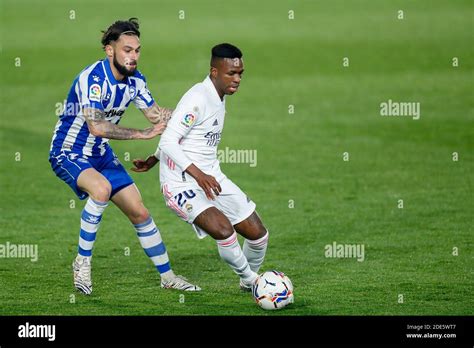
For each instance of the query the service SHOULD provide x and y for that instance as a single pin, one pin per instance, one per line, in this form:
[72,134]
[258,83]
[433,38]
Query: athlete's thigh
[111,168]
[91,181]
[81,174]
[191,204]
[186,201]
[233,202]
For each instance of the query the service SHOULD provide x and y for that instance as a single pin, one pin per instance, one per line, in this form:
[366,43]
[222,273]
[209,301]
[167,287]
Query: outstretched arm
[157,114]
[99,127]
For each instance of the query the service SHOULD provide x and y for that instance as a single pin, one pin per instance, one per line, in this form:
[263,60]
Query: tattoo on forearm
[106,129]
[166,114]
[94,114]
[112,131]
[156,114]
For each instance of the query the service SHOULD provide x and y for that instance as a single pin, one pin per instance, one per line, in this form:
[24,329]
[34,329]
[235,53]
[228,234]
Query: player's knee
[102,191]
[224,230]
[139,215]
[262,231]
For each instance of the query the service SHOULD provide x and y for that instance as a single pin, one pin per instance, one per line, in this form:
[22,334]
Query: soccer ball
[273,290]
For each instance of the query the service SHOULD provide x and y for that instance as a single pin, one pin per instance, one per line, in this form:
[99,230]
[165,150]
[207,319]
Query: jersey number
[187,194]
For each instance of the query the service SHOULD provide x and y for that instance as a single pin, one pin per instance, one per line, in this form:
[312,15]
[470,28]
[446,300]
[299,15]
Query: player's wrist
[145,134]
[152,160]
[195,172]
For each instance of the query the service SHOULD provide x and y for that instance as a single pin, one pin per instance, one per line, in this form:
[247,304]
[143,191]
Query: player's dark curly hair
[113,32]
[226,50]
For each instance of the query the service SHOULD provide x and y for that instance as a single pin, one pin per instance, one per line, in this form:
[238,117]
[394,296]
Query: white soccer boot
[178,282]
[245,287]
[82,274]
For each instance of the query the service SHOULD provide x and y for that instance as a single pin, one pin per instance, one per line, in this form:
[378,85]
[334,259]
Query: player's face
[228,74]
[126,53]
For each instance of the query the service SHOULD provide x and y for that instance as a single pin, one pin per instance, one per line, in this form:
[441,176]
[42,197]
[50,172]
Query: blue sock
[90,220]
[152,244]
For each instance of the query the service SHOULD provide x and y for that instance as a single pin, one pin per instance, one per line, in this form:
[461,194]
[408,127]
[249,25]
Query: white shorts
[188,201]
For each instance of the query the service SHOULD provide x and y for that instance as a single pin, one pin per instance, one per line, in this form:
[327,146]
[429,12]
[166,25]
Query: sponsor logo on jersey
[213,139]
[113,112]
[94,92]
[188,120]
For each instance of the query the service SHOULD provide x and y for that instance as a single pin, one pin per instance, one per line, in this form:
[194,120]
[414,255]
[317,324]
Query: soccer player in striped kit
[191,179]
[81,156]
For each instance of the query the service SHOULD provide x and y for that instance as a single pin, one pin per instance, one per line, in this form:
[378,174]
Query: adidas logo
[215,123]
[92,219]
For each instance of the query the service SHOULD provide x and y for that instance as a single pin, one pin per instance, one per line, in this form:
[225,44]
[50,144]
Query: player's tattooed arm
[100,127]
[157,114]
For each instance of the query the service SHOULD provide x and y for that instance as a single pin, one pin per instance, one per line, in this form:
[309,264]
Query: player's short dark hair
[226,50]
[113,32]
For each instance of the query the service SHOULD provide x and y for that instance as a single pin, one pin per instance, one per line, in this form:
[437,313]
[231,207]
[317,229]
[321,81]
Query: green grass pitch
[301,109]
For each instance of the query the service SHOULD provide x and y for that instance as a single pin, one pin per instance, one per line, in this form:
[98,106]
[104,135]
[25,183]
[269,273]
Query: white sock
[254,251]
[231,253]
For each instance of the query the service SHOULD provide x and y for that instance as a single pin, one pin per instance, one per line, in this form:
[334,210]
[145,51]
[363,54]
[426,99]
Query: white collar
[212,89]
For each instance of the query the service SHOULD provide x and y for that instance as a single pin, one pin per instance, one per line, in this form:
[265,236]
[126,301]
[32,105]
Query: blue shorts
[68,165]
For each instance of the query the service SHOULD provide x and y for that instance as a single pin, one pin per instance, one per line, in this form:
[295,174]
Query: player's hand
[153,131]
[144,165]
[210,185]
[207,182]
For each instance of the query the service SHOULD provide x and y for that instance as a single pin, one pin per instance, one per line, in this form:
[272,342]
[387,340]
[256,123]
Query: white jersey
[192,135]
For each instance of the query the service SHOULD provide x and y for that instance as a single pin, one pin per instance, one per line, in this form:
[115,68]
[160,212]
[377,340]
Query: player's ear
[213,72]
[109,51]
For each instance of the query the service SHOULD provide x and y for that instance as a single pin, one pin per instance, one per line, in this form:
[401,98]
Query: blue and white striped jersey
[96,87]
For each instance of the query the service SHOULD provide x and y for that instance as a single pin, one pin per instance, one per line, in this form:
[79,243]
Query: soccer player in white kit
[191,180]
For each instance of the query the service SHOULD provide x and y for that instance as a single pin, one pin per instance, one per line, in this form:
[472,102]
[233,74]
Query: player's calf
[154,247]
[216,224]
[256,241]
